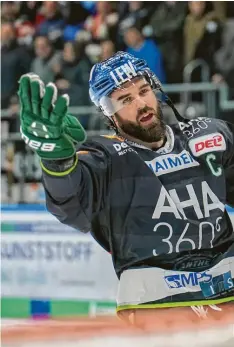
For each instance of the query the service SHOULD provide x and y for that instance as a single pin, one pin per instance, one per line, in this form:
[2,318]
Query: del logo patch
[207,143]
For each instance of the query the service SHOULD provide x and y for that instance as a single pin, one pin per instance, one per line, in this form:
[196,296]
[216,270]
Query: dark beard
[154,133]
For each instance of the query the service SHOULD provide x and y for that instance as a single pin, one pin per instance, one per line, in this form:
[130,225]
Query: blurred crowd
[60,40]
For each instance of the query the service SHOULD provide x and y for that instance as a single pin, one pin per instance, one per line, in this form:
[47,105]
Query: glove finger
[60,109]
[73,128]
[48,101]
[37,92]
[25,94]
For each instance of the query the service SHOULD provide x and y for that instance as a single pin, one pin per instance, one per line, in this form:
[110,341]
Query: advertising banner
[50,269]
[71,266]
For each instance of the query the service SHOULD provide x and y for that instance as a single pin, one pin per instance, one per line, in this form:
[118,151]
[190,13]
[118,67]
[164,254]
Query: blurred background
[189,46]
[183,42]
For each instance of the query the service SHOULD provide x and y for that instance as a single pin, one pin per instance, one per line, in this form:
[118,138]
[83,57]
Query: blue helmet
[108,75]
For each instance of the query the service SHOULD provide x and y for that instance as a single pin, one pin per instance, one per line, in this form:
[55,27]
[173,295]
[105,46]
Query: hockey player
[152,195]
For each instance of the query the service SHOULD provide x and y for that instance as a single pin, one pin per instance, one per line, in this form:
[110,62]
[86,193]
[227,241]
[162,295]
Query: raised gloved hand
[46,126]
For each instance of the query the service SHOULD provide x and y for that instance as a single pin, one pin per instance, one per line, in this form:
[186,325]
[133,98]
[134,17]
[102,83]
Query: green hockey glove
[46,126]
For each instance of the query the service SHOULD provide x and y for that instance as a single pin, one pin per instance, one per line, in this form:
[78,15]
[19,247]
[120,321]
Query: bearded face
[154,131]
[139,113]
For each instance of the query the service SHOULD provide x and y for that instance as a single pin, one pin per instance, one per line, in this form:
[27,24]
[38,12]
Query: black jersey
[160,213]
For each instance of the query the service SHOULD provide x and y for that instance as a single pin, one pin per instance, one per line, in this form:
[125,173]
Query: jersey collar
[167,148]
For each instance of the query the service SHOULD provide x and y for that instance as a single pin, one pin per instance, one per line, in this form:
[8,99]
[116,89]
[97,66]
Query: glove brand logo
[208,143]
[40,130]
[123,73]
[43,146]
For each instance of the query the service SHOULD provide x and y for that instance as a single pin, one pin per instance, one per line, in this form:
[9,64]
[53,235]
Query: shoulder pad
[202,126]
[205,135]
[111,144]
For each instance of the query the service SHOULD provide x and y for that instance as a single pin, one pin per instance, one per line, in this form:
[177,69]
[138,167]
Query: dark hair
[107,40]
[135,27]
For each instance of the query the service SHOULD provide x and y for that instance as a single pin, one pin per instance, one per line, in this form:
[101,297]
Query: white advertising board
[42,258]
[71,266]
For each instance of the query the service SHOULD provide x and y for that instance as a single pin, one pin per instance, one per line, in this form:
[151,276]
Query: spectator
[145,49]
[224,58]
[107,49]
[15,62]
[104,24]
[225,65]
[73,74]
[9,11]
[30,10]
[202,36]
[76,16]
[220,8]
[25,31]
[90,6]
[27,21]
[133,14]
[166,25]
[12,12]
[46,60]
[53,24]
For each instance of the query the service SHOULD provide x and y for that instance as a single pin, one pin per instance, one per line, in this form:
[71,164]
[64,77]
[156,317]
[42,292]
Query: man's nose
[140,102]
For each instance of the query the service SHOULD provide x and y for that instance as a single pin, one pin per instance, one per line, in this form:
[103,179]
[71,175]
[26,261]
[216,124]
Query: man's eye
[127,100]
[144,91]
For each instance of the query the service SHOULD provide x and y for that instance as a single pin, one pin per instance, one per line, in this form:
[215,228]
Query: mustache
[144,110]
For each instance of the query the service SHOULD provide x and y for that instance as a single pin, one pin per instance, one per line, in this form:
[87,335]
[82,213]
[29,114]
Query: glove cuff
[59,167]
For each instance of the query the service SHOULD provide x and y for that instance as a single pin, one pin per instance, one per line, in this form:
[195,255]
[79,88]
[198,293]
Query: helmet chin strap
[113,124]
[172,106]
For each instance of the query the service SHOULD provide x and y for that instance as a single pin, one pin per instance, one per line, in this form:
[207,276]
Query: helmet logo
[123,73]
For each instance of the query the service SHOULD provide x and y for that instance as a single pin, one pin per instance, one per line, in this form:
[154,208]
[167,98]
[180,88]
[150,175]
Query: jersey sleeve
[228,164]
[76,195]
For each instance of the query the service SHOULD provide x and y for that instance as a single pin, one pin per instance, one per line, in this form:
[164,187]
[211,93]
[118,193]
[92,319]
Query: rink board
[34,246]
